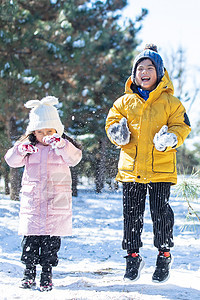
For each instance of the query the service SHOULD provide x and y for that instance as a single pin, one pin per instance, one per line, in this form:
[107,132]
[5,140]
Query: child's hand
[164,139]
[55,141]
[119,132]
[27,148]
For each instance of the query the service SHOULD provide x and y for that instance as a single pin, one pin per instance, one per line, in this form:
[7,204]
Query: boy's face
[146,76]
[41,133]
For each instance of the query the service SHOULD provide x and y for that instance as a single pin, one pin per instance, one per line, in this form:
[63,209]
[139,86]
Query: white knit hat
[44,115]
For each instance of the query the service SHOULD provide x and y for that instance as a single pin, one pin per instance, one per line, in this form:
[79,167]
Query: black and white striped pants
[134,196]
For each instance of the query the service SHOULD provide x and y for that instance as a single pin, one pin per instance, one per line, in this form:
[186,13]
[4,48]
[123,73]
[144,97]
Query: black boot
[28,280]
[163,264]
[134,265]
[46,279]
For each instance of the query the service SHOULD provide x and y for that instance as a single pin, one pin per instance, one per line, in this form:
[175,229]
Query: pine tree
[25,55]
[107,50]
[75,50]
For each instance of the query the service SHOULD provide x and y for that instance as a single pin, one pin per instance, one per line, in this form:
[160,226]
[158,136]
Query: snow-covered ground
[92,263]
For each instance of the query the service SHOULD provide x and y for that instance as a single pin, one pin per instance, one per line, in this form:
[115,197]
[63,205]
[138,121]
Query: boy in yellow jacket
[148,123]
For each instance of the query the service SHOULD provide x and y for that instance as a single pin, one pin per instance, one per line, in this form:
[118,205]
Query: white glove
[26,148]
[164,139]
[119,132]
[55,141]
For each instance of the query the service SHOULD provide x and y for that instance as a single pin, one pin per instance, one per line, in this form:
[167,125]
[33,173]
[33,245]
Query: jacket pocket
[28,197]
[127,159]
[163,162]
[62,198]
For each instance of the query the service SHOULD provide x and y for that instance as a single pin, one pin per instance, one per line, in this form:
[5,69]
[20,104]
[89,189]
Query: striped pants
[134,196]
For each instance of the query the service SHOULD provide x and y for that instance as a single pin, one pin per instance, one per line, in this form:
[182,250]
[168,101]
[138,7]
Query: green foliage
[75,50]
[196,151]
[187,160]
[189,190]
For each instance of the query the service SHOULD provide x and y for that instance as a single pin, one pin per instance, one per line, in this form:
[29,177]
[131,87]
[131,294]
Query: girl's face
[146,76]
[41,133]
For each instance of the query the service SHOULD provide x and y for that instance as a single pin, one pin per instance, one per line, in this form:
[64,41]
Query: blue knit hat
[150,51]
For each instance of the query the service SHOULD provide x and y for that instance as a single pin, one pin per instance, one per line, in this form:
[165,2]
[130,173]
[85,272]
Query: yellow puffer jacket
[139,160]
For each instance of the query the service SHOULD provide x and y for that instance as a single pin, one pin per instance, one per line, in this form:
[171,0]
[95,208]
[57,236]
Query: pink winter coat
[46,198]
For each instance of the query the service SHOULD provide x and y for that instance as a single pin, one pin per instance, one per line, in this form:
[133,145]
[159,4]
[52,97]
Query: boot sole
[163,281]
[28,287]
[45,289]
[139,271]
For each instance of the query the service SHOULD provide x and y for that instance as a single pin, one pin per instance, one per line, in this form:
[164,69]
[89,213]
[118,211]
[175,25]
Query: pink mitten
[55,141]
[27,148]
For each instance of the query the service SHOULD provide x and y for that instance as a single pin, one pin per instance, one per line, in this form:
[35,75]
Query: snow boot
[46,279]
[28,281]
[163,264]
[134,265]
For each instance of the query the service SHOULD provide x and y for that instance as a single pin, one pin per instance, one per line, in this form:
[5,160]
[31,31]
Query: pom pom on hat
[150,51]
[151,47]
[43,114]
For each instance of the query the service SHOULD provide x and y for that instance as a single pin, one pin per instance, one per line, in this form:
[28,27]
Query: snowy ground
[91,262]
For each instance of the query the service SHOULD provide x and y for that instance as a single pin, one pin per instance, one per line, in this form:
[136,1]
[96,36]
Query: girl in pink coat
[46,154]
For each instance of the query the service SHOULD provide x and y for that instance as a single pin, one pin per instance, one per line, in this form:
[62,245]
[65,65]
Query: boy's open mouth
[145,78]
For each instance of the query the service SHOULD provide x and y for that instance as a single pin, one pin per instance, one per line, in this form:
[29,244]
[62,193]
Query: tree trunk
[15,183]
[116,185]
[6,182]
[74,173]
[100,166]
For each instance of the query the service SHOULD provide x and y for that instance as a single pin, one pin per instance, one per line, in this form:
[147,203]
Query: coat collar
[165,85]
